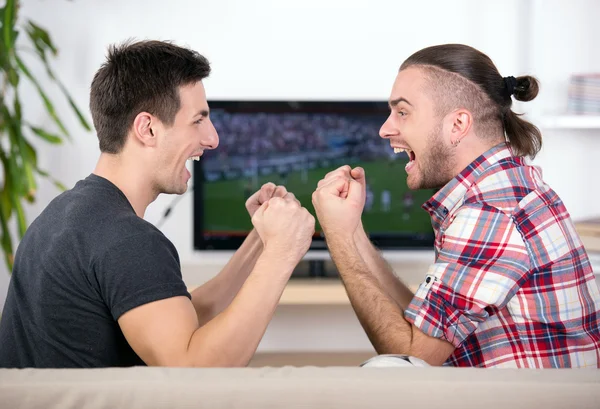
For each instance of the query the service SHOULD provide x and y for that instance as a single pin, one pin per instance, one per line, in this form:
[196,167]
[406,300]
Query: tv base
[315,269]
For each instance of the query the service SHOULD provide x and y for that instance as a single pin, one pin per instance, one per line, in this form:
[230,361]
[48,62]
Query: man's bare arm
[216,294]
[167,333]
[379,314]
[381,270]
[339,201]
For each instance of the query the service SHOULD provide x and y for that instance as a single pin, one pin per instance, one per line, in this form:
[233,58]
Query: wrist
[340,234]
[340,239]
[274,269]
[360,235]
[255,237]
[284,257]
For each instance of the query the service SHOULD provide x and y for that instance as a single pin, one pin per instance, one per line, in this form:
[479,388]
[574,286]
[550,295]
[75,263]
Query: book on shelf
[584,94]
[589,232]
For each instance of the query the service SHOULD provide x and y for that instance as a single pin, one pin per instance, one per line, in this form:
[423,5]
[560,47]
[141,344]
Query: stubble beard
[436,167]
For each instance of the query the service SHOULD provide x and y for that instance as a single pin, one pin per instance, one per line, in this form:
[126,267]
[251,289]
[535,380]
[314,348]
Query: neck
[128,176]
[472,148]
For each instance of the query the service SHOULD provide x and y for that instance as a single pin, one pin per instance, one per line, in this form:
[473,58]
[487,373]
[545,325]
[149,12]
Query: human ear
[461,122]
[144,126]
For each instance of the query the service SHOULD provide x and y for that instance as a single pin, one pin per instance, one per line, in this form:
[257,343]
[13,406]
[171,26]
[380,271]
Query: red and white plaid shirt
[511,285]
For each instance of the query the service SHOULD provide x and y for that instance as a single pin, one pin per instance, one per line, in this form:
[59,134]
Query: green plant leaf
[19,160]
[49,107]
[17,108]
[5,201]
[41,43]
[12,125]
[6,242]
[15,173]
[41,35]
[58,184]
[31,152]
[8,23]
[66,93]
[20,157]
[80,116]
[55,139]
[20,149]
[21,222]
[13,77]
[29,164]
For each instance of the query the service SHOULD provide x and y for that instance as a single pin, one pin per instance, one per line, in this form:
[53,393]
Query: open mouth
[411,154]
[187,169]
[411,157]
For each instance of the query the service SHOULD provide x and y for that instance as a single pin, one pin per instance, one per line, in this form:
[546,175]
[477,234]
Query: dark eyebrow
[396,101]
[203,113]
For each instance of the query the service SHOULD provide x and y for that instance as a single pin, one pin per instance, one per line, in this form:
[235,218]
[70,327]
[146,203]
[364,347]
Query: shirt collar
[453,193]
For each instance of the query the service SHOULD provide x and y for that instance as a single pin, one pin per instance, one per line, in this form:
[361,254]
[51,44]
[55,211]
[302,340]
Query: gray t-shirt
[85,261]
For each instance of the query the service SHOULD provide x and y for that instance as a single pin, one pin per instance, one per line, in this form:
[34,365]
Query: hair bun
[526,88]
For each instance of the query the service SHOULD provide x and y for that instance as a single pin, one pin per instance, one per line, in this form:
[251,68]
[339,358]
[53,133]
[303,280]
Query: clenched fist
[266,192]
[339,201]
[285,228]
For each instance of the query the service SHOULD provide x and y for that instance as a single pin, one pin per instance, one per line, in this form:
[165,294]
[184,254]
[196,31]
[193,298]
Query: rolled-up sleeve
[482,261]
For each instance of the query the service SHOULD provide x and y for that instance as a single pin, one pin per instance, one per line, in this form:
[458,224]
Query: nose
[211,141]
[388,129]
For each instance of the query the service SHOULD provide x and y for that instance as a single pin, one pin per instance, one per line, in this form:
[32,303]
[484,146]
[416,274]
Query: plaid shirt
[511,285]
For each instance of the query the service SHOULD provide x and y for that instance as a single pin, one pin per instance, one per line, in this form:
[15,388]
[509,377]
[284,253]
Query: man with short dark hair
[511,285]
[95,285]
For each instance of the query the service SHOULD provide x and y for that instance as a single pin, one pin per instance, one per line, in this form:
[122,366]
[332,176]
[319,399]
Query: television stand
[315,269]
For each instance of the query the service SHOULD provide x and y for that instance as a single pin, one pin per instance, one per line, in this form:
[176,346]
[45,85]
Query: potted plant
[19,170]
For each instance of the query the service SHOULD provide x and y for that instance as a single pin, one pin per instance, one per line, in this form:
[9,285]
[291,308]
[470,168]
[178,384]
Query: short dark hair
[463,77]
[137,77]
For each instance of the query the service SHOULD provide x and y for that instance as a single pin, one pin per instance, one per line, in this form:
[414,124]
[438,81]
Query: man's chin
[181,190]
[413,183]
[175,190]
[422,184]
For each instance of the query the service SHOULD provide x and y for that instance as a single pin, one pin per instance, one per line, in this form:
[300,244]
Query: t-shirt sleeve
[139,269]
[481,263]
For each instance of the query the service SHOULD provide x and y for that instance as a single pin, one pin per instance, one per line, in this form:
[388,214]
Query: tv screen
[295,143]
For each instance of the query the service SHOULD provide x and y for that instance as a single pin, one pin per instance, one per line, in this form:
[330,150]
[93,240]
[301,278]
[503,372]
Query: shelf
[314,292]
[331,292]
[569,122]
[311,292]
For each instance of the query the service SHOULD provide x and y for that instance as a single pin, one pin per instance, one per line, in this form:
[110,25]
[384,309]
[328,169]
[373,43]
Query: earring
[455,143]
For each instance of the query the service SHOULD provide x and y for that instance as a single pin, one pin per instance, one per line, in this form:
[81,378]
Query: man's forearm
[231,338]
[379,314]
[382,270]
[215,295]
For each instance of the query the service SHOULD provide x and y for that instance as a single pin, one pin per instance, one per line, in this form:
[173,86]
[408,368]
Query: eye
[199,121]
[402,113]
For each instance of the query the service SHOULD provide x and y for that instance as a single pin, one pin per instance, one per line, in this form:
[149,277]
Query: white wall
[565,41]
[325,49]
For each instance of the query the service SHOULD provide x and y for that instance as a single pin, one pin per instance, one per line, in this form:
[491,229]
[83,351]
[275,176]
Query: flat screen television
[295,143]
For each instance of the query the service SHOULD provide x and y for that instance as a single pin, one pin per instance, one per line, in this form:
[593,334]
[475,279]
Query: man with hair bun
[511,284]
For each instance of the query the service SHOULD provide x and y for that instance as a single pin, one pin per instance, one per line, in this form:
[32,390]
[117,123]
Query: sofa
[299,387]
